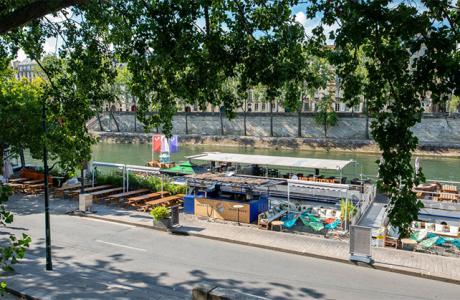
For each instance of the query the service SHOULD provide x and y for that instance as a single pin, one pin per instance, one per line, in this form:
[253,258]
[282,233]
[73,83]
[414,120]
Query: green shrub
[344,208]
[112,179]
[160,212]
[137,181]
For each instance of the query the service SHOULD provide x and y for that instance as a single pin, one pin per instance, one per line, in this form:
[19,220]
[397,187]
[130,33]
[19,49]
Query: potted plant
[161,217]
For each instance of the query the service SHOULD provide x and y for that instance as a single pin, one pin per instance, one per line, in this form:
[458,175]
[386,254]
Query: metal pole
[94,171]
[49,264]
[346,213]
[162,185]
[289,196]
[82,174]
[123,173]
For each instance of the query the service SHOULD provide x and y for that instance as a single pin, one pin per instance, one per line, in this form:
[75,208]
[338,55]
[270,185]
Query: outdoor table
[409,242]
[279,224]
[238,207]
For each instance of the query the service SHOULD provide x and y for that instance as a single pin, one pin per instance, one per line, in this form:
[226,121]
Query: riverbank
[280,143]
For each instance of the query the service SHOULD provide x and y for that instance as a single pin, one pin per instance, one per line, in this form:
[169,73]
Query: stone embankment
[437,135]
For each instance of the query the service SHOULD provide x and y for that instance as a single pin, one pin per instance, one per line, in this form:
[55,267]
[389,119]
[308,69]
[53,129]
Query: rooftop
[281,161]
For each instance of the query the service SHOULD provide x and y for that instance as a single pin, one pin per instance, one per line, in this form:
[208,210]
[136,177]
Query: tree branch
[33,11]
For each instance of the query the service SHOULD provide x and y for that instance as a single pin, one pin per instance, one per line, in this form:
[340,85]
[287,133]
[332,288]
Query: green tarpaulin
[185,168]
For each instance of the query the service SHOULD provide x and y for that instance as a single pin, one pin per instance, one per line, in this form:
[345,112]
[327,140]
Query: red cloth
[329,220]
[156,143]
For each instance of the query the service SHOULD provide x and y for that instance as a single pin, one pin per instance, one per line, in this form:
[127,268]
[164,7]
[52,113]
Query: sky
[52,44]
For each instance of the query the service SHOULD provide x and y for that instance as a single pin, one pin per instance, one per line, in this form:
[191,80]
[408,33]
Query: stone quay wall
[440,135]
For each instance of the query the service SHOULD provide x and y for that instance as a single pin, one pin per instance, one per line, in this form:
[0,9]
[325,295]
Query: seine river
[440,168]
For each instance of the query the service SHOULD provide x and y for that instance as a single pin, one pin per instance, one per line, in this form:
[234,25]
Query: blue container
[257,207]
[189,204]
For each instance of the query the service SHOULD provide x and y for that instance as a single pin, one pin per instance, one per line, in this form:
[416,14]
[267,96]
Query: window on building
[263,106]
[357,108]
[273,105]
[337,106]
[195,107]
[306,106]
[256,107]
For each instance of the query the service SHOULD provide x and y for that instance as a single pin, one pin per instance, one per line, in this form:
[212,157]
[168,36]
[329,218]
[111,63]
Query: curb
[307,254]
[20,294]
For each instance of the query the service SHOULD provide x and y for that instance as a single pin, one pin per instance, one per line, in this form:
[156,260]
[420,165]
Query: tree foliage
[409,50]
[189,49]
[325,114]
[13,248]
[20,113]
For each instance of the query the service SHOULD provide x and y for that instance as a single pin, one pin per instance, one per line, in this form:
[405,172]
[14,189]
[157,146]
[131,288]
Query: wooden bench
[16,186]
[140,200]
[448,197]
[33,181]
[17,180]
[101,194]
[59,192]
[121,196]
[75,193]
[166,201]
[449,188]
[35,188]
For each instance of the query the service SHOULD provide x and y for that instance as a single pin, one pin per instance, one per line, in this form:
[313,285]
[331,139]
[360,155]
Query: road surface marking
[123,246]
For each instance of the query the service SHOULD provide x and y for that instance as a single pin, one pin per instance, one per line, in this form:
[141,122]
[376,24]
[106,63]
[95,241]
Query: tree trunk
[186,121]
[32,11]
[367,119]
[82,173]
[271,118]
[244,124]
[22,157]
[221,122]
[299,123]
[2,148]
[115,120]
[99,121]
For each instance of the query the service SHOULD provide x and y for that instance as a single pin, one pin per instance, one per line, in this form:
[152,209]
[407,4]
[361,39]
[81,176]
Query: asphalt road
[95,260]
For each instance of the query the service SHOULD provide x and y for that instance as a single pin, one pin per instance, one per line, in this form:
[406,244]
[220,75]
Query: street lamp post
[49,264]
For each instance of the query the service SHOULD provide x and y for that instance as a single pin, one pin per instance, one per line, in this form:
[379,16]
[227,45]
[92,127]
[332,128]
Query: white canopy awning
[281,161]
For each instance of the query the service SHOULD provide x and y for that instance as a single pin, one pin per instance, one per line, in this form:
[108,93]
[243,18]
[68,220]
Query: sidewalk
[441,268]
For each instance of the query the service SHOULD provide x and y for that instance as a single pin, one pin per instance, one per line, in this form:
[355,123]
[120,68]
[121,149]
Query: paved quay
[97,259]
[406,262]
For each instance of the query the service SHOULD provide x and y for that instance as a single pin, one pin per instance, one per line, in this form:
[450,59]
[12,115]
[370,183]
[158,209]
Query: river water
[440,168]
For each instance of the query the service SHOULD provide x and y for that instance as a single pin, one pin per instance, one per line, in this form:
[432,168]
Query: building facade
[29,69]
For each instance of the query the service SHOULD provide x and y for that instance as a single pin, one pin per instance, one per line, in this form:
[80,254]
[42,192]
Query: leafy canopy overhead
[394,53]
[183,50]
[407,51]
